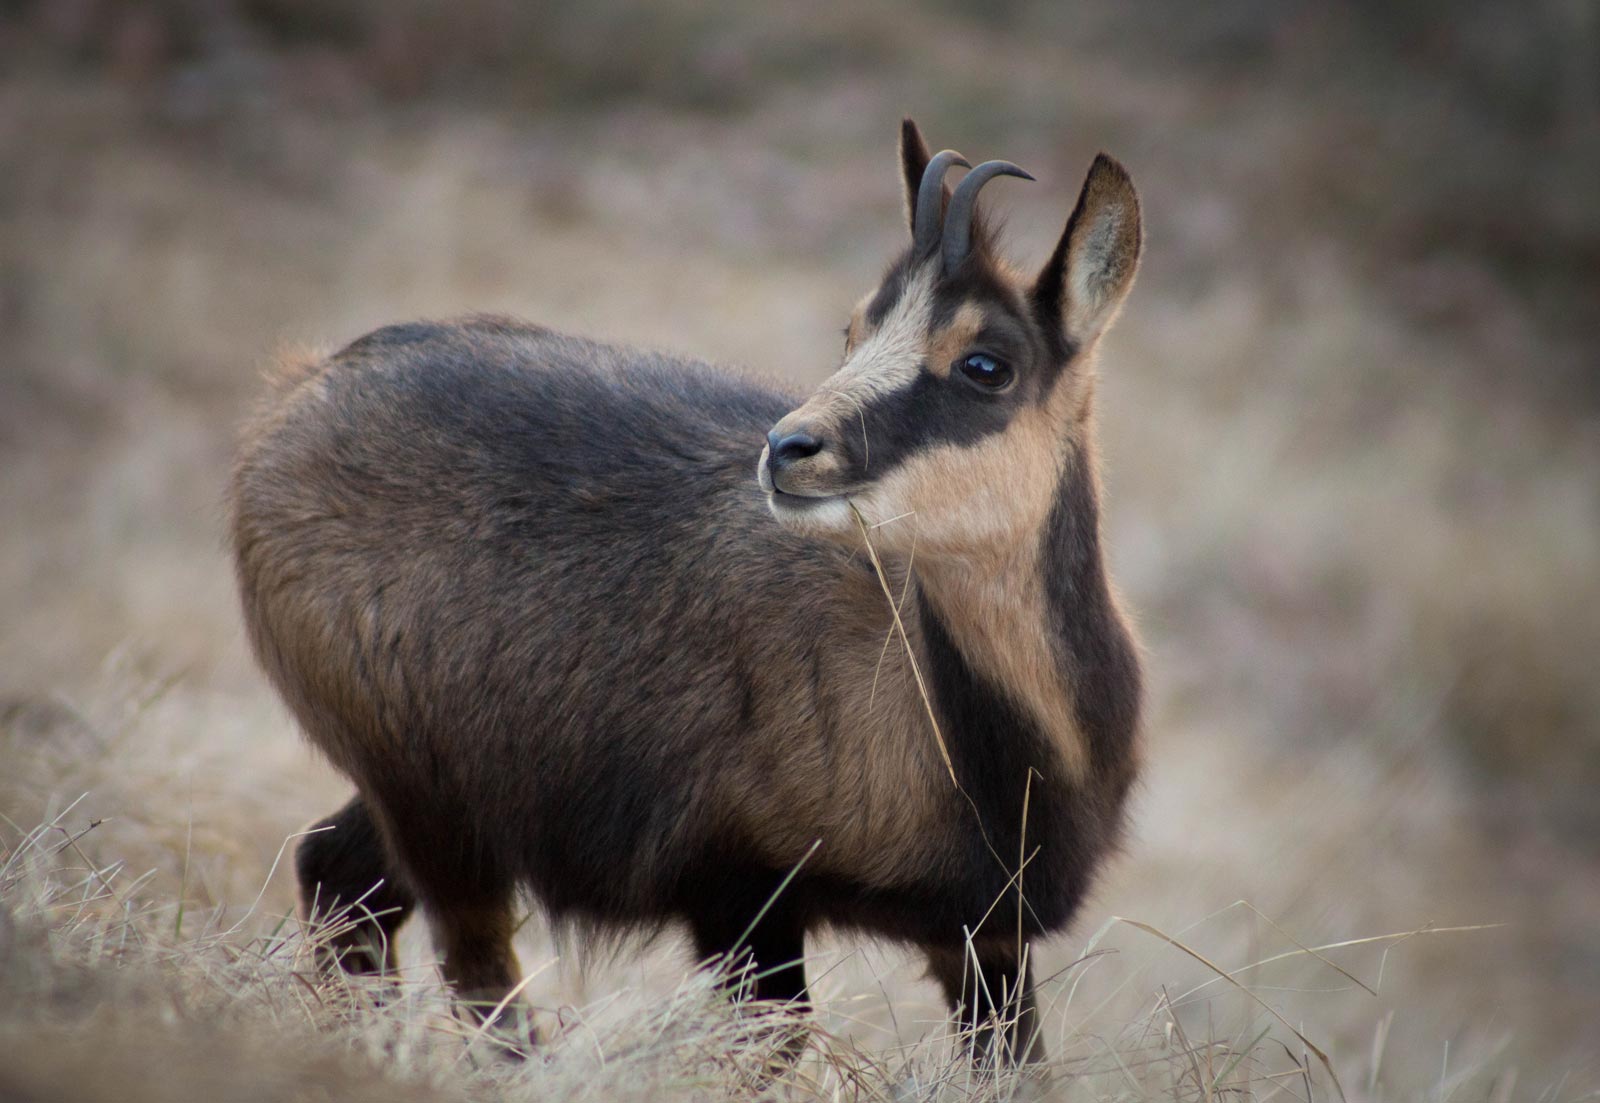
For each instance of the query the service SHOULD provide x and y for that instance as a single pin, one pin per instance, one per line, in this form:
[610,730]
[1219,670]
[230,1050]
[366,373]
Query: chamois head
[965,385]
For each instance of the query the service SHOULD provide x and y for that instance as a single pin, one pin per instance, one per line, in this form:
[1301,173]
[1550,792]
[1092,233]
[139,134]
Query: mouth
[808,510]
[814,513]
[801,503]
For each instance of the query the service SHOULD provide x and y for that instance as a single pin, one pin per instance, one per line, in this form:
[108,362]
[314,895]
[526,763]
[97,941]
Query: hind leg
[473,936]
[470,905]
[347,884]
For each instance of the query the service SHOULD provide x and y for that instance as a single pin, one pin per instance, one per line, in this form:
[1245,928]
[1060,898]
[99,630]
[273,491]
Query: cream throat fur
[996,613]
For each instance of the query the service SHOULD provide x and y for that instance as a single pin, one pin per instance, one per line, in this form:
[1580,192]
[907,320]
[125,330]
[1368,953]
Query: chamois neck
[998,612]
[988,602]
[1037,621]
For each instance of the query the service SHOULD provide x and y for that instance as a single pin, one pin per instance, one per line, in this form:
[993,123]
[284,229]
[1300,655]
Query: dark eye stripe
[926,413]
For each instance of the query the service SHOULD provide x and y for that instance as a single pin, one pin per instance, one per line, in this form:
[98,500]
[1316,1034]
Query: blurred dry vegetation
[1352,428]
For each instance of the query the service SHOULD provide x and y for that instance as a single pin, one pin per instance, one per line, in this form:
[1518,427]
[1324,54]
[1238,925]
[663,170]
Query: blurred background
[1351,418]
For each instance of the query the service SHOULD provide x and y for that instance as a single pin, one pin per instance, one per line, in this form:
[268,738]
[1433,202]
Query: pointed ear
[914,157]
[1089,274]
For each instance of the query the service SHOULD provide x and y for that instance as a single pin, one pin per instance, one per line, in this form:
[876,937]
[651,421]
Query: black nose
[782,451]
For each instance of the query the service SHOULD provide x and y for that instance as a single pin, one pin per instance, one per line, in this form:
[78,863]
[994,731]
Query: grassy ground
[1351,426]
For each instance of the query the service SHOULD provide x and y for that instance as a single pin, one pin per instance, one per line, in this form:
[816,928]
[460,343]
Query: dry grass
[1352,455]
[113,991]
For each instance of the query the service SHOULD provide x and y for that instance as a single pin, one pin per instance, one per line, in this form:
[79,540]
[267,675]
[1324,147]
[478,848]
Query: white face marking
[889,358]
[886,361]
[813,515]
[763,475]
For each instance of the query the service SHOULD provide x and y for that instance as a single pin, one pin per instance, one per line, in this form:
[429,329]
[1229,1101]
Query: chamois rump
[539,599]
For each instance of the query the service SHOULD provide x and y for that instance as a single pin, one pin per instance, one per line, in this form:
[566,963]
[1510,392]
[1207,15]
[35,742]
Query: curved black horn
[958,223]
[930,200]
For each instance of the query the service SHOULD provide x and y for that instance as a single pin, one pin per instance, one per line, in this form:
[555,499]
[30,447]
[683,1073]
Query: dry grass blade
[888,637]
[1022,854]
[922,690]
[1222,973]
[492,1019]
[900,627]
[1318,951]
[1186,1048]
[1351,977]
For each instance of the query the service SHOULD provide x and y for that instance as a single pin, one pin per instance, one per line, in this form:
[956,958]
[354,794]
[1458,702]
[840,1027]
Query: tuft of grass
[104,997]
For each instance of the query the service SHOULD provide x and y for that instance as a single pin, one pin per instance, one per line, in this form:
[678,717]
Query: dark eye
[986,371]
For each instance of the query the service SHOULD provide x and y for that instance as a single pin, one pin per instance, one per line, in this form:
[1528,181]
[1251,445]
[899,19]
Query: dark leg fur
[768,962]
[471,915]
[345,875]
[474,938]
[993,999]
[768,957]
[470,905]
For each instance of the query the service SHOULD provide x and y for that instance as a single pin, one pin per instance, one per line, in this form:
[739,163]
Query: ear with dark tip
[1085,280]
[914,158]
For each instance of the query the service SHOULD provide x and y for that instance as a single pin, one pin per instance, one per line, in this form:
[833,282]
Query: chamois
[527,593]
